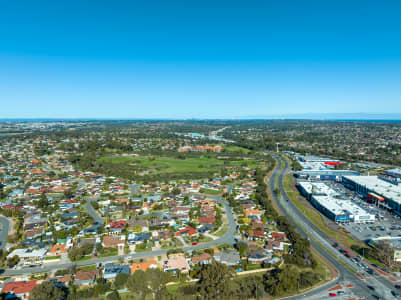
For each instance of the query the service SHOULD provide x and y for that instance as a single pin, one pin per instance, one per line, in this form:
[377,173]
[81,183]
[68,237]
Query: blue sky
[205,59]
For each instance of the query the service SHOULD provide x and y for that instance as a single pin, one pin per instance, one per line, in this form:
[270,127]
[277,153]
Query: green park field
[162,165]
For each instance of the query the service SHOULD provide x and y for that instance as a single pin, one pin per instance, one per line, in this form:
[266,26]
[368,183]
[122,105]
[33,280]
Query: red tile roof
[19,287]
[278,236]
[143,266]
[187,230]
[256,233]
[117,224]
[83,275]
[207,220]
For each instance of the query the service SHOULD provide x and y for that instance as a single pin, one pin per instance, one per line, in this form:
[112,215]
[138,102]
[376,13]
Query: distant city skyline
[180,60]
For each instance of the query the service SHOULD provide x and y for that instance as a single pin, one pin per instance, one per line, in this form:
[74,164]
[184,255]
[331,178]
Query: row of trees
[217,281]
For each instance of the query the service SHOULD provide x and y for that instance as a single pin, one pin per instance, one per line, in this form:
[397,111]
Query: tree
[12,261]
[43,202]
[137,285]
[386,253]
[47,290]
[176,191]
[282,280]
[242,248]
[156,279]
[215,281]
[308,279]
[68,193]
[114,295]
[121,280]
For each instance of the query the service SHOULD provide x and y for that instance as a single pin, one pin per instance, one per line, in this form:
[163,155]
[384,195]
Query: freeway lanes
[323,245]
[5,225]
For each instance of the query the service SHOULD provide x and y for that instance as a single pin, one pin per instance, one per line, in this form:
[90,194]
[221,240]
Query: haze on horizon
[180,59]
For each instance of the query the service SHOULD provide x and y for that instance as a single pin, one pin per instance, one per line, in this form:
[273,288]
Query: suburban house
[57,249]
[112,270]
[176,262]
[258,256]
[205,228]
[162,235]
[186,231]
[139,237]
[116,226]
[21,289]
[112,241]
[207,220]
[202,259]
[253,213]
[143,266]
[253,234]
[62,280]
[230,258]
[34,233]
[85,277]
[28,254]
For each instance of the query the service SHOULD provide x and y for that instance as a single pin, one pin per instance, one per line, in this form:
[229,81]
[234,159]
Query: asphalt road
[227,238]
[5,224]
[133,188]
[322,244]
[92,212]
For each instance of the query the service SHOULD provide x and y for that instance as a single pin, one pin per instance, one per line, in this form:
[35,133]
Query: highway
[5,224]
[227,238]
[323,246]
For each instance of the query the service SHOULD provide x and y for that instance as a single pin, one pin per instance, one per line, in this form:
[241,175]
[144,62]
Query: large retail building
[377,190]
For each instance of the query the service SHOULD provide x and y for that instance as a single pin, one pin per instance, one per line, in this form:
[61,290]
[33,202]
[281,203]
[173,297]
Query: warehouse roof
[329,198]
[317,188]
[379,186]
[341,206]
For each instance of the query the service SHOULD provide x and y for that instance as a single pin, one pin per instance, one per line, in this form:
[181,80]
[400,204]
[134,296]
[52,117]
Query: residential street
[227,238]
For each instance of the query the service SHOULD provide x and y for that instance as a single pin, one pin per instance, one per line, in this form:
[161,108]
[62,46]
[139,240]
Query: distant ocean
[267,118]
[362,120]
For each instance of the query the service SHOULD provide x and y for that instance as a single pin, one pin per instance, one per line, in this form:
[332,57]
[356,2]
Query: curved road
[227,238]
[323,246]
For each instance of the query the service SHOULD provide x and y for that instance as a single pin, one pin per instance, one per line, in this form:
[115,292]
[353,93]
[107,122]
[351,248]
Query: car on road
[332,294]
[395,293]
[340,292]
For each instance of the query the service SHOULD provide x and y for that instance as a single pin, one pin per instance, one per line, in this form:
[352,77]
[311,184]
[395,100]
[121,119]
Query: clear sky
[205,59]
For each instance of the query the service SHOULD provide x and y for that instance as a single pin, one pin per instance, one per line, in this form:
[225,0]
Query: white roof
[341,206]
[317,188]
[378,186]
[27,253]
[329,198]
[313,165]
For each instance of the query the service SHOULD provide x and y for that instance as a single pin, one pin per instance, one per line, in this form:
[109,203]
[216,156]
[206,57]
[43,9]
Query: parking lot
[386,224]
